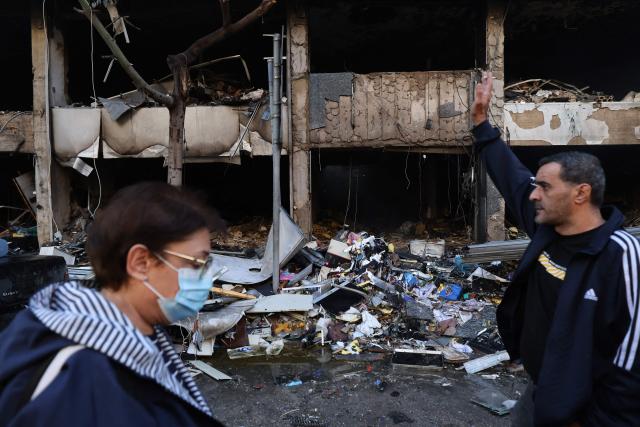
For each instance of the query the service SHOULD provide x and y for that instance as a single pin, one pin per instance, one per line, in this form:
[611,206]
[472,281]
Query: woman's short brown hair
[154,214]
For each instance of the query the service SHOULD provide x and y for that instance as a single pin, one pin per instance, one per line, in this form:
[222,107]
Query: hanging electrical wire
[346,213]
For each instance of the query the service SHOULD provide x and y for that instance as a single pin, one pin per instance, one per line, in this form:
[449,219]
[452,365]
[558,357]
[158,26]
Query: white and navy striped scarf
[84,316]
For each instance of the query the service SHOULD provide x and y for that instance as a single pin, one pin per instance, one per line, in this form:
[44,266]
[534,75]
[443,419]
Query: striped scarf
[84,316]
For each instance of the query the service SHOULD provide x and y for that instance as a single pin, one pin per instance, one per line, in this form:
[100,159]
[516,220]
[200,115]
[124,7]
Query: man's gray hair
[580,168]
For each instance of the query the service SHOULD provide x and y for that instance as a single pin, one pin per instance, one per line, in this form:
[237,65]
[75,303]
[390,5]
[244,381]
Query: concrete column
[41,136]
[494,50]
[58,68]
[50,89]
[300,157]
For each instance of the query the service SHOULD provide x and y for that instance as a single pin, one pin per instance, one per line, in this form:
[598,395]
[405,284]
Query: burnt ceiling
[368,36]
[586,42]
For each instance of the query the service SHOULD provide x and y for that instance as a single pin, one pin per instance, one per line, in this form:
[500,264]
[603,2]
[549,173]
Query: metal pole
[289,120]
[276,99]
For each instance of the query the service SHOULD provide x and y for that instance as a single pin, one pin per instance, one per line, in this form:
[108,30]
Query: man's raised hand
[482,100]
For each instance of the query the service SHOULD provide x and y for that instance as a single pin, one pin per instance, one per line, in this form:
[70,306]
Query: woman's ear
[139,261]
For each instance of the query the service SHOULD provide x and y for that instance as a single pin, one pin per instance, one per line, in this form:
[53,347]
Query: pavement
[263,392]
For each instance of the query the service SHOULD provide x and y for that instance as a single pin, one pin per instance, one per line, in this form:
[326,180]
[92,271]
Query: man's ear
[139,261]
[583,194]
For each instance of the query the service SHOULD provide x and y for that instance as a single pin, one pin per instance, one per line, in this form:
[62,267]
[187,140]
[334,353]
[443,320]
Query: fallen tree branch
[211,62]
[163,98]
[194,51]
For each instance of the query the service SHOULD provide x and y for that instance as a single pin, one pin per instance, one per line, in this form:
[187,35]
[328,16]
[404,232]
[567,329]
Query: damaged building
[367,251]
[375,120]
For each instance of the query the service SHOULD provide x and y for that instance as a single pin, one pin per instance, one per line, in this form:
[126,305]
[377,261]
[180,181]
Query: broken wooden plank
[232,294]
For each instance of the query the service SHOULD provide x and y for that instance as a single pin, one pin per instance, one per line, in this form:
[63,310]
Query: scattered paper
[368,326]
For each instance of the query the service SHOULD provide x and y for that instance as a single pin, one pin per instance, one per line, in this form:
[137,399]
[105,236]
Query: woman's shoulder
[25,341]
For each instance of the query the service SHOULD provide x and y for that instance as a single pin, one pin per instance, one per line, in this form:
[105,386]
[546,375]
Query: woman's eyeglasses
[204,263]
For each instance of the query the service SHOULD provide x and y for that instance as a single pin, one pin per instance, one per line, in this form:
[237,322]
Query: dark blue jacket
[91,390]
[591,369]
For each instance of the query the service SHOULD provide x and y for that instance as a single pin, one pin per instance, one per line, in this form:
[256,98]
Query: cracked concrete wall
[412,108]
[572,123]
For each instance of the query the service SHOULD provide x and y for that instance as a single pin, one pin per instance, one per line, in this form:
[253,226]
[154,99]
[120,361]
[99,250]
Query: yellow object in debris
[386,310]
[352,348]
[287,327]
[391,248]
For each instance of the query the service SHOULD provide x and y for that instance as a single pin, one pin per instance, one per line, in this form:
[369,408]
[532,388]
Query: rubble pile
[548,90]
[415,305]
[422,307]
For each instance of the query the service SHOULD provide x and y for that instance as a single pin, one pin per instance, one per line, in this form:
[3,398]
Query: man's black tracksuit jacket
[591,366]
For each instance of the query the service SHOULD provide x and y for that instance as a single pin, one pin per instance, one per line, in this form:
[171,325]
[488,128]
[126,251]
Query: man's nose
[535,194]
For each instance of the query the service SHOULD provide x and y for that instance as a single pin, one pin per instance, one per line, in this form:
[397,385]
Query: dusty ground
[339,393]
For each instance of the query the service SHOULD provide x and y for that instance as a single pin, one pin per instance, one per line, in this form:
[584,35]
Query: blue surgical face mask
[193,291]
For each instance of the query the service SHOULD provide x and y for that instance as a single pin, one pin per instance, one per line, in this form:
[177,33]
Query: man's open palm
[482,99]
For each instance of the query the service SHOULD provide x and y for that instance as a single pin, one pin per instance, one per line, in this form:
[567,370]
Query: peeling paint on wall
[564,123]
[529,119]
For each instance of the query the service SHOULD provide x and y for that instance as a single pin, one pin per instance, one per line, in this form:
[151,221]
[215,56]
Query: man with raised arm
[571,311]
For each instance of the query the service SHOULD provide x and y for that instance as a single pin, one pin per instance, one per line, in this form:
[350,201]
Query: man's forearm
[509,175]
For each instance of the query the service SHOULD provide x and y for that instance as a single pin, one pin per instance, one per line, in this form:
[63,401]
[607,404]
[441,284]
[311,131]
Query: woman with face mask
[81,355]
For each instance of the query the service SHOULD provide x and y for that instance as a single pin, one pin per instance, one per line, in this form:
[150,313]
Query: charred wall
[383,189]
[585,43]
[367,36]
[15,44]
